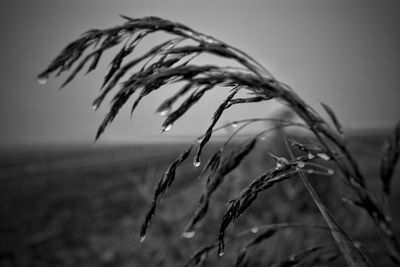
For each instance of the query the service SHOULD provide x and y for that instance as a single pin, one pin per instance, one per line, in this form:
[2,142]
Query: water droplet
[95,106]
[234,124]
[221,254]
[165,111]
[254,230]
[196,162]
[263,137]
[279,165]
[189,234]
[385,228]
[345,199]
[167,128]
[323,156]
[189,33]
[209,40]
[310,156]
[142,238]
[43,79]
[301,164]
[330,171]
[310,171]
[199,140]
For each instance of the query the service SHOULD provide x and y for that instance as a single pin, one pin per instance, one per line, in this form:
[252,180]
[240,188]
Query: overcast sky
[344,53]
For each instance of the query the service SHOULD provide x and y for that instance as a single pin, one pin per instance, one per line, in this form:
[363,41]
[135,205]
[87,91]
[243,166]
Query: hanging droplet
[279,165]
[142,238]
[167,128]
[310,171]
[189,234]
[310,155]
[234,124]
[95,106]
[254,230]
[323,156]
[221,254]
[330,171]
[199,140]
[165,111]
[280,161]
[196,162]
[43,79]
[301,164]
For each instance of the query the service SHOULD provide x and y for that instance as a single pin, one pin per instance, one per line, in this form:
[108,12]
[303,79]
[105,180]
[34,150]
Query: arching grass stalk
[173,61]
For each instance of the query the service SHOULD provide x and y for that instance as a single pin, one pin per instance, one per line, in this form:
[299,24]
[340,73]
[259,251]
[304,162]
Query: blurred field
[83,206]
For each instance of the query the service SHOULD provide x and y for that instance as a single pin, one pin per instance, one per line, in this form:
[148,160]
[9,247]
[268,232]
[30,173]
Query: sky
[343,53]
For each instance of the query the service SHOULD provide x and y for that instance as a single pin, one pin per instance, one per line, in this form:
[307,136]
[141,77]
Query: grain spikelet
[163,184]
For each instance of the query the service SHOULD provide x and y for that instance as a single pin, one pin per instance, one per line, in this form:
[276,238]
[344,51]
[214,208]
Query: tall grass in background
[247,81]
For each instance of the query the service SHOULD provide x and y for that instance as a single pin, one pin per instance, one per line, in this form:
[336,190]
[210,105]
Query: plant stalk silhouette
[172,62]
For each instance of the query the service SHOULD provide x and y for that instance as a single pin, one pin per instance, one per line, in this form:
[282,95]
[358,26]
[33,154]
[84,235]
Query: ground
[83,206]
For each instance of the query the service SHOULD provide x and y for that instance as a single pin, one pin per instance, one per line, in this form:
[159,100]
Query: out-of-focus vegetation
[84,207]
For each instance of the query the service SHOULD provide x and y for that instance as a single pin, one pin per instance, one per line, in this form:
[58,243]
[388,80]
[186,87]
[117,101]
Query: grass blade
[353,256]
[162,186]
[390,158]
[227,164]
[218,113]
[333,117]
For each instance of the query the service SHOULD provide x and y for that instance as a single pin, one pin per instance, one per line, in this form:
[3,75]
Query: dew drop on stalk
[165,111]
[167,128]
[301,164]
[95,106]
[189,234]
[196,162]
[263,137]
[310,171]
[345,199]
[142,238]
[189,33]
[330,171]
[43,79]
[310,156]
[357,244]
[385,228]
[209,40]
[221,254]
[323,156]
[254,230]
[234,124]
[199,140]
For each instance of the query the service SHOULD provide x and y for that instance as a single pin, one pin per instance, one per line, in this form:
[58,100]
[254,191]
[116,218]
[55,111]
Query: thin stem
[354,256]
